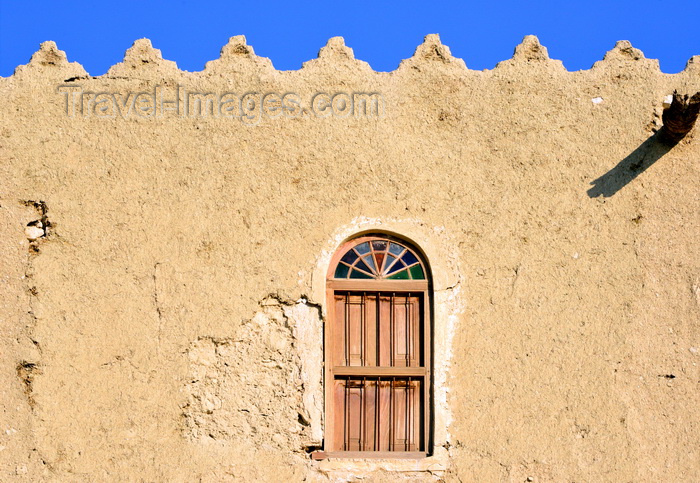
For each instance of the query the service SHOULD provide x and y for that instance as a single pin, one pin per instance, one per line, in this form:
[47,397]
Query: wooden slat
[398,418]
[384,329]
[354,417]
[336,333]
[370,318]
[384,408]
[337,419]
[373,371]
[354,333]
[399,336]
[369,441]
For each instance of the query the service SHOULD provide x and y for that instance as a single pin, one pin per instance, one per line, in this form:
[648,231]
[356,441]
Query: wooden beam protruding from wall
[679,118]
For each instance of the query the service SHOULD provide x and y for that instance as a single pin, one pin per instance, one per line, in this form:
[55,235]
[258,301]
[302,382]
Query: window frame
[403,287]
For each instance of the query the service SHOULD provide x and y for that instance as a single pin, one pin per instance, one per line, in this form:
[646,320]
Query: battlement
[236,56]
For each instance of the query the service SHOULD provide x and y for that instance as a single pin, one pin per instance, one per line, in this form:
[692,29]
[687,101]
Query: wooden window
[377,356]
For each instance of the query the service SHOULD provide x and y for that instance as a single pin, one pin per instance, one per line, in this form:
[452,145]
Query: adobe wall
[164,321]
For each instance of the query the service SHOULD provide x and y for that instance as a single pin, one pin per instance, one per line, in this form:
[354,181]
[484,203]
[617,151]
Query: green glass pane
[417,272]
[358,274]
[341,271]
[402,275]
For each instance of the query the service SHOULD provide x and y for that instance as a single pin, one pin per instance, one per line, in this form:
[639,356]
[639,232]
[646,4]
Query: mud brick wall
[163,276]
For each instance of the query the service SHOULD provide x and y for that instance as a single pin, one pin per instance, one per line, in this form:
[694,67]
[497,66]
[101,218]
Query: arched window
[377,349]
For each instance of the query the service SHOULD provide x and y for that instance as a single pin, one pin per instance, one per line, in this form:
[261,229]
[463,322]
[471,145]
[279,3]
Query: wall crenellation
[142,55]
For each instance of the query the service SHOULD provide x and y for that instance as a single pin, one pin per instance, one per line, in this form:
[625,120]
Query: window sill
[345,465]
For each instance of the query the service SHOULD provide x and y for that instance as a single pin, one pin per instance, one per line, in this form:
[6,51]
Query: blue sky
[96,34]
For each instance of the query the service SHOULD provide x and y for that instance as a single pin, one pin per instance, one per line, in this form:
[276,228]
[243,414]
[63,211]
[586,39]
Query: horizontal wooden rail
[374,371]
[389,455]
[379,285]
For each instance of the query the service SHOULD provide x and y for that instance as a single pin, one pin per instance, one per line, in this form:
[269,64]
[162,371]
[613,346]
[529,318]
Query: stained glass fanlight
[380,259]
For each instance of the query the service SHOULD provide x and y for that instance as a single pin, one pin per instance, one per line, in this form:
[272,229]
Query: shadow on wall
[649,152]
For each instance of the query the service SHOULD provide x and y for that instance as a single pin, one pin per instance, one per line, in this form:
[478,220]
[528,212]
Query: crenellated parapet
[238,56]
[530,53]
[50,61]
[142,57]
[625,57]
[432,55]
[335,55]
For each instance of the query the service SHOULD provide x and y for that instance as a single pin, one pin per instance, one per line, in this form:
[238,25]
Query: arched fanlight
[380,259]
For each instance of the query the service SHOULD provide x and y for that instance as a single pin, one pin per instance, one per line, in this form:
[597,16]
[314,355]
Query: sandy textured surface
[164,328]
